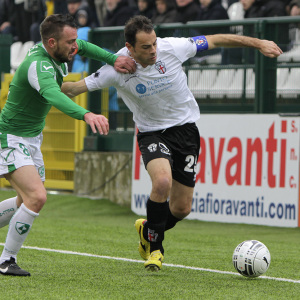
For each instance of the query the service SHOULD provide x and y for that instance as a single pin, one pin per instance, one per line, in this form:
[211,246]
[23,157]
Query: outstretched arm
[267,48]
[122,64]
[97,122]
[72,89]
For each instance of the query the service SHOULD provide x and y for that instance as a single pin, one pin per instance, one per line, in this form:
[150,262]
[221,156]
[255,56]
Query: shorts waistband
[174,128]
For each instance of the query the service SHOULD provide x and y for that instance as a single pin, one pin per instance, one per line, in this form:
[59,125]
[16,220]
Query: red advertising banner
[247,171]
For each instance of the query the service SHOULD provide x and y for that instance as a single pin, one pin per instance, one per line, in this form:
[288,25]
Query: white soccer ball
[251,258]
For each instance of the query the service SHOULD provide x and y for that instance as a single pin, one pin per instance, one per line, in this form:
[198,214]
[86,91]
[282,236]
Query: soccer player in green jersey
[34,89]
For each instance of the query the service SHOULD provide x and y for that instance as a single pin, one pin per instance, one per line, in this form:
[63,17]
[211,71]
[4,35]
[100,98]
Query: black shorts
[179,144]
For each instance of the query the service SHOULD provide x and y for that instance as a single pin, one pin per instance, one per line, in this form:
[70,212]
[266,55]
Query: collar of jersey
[140,67]
[59,68]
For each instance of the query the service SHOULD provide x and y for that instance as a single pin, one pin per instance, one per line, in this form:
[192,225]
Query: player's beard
[61,56]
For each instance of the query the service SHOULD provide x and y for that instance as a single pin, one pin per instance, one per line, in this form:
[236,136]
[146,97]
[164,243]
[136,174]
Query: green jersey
[36,87]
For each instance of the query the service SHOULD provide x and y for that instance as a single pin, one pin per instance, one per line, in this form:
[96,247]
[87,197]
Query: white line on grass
[140,261]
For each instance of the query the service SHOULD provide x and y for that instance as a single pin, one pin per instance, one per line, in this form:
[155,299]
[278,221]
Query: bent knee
[181,209]
[42,198]
[162,186]
[181,212]
[41,195]
[36,200]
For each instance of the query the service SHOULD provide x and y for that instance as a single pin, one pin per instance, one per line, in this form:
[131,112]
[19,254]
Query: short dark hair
[53,25]
[135,25]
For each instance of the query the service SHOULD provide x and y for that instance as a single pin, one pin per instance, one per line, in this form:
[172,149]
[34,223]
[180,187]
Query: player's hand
[270,49]
[97,123]
[125,64]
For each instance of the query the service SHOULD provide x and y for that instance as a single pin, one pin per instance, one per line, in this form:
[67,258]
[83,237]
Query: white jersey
[158,95]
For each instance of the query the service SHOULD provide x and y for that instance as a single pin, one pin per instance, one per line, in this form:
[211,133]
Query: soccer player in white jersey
[34,89]
[165,111]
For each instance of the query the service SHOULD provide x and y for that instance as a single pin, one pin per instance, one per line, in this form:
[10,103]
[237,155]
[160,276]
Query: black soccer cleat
[9,267]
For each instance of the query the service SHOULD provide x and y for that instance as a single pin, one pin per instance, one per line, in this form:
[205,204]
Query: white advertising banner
[247,171]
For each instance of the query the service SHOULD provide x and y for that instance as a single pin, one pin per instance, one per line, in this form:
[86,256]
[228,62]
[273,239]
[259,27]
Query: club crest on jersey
[160,67]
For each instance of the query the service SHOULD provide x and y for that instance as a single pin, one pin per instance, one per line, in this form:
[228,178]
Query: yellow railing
[63,136]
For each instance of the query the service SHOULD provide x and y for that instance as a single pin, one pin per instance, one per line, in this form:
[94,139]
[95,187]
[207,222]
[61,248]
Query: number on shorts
[25,150]
[191,160]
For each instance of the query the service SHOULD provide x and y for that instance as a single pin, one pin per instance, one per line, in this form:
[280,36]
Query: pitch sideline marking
[140,261]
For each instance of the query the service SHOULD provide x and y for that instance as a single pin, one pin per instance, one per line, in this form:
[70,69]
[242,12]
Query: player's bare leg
[180,203]
[181,198]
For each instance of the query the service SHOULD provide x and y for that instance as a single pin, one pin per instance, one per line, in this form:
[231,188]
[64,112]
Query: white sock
[19,228]
[7,209]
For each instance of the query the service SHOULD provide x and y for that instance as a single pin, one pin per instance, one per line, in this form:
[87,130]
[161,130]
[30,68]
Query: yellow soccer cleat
[144,246]
[154,262]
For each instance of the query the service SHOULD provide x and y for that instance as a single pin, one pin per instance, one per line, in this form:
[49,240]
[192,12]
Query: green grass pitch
[106,230]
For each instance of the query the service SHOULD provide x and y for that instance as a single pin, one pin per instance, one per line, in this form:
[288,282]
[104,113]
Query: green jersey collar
[58,66]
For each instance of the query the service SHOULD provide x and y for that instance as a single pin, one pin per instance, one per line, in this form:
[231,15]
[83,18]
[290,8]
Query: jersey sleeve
[94,52]
[104,77]
[62,102]
[41,78]
[183,48]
